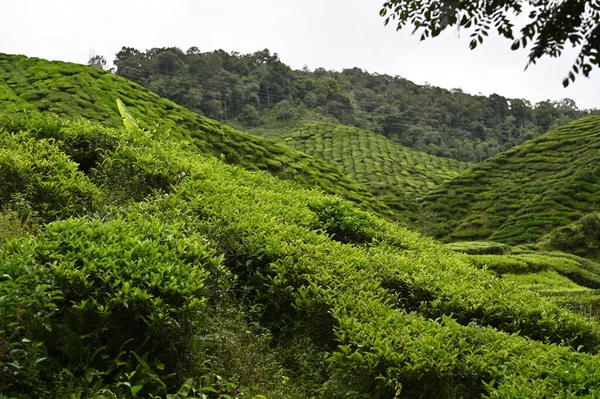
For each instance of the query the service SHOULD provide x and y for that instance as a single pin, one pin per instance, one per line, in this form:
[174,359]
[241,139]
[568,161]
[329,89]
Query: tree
[551,26]
[98,61]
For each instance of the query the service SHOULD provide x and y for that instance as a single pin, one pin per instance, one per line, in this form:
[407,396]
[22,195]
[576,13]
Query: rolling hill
[162,270]
[397,175]
[524,193]
[77,91]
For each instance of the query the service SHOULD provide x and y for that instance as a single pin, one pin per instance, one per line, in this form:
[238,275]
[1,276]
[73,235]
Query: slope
[522,194]
[264,96]
[395,174]
[77,91]
[136,298]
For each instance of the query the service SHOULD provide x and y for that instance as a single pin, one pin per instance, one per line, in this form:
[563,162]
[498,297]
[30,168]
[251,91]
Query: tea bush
[521,195]
[36,179]
[189,268]
[98,299]
[76,91]
[580,238]
[396,175]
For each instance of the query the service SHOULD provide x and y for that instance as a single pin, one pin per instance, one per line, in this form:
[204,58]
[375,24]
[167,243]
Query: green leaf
[135,389]
[128,120]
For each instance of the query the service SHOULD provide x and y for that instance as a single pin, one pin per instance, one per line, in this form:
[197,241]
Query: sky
[333,34]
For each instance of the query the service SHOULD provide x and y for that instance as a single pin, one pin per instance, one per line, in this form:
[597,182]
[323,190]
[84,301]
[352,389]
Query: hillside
[262,95]
[522,194]
[395,174]
[77,91]
[164,270]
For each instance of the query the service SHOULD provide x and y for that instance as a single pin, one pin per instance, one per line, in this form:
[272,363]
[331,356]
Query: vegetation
[75,91]
[135,263]
[567,280]
[551,25]
[396,175]
[524,193]
[580,238]
[130,297]
[260,94]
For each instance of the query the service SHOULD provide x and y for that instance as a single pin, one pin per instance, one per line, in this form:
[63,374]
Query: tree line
[259,90]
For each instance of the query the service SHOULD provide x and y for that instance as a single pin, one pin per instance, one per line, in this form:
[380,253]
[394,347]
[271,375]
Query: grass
[524,193]
[396,175]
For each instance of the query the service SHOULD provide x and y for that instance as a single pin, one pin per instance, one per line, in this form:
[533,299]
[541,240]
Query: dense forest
[260,94]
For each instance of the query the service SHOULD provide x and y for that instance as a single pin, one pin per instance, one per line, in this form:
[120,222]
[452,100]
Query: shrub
[37,179]
[101,299]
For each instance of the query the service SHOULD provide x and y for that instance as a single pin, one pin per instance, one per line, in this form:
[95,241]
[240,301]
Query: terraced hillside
[565,279]
[395,174]
[78,91]
[522,194]
[160,271]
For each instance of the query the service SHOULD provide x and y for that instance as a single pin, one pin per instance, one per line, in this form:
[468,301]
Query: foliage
[521,195]
[75,91]
[12,226]
[36,179]
[398,176]
[580,238]
[551,25]
[260,94]
[479,247]
[193,275]
[97,61]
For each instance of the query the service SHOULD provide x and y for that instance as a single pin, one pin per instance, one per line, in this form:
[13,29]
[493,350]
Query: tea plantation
[77,91]
[524,193]
[395,174]
[136,264]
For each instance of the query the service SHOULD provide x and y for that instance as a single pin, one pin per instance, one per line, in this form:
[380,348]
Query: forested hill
[258,93]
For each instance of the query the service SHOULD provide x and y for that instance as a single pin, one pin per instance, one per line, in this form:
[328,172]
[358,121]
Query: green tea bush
[580,238]
[100,299]
[76,91]
[11,226]
[360,304]
[527,191]
[36,178]
[479,247]
[376,162]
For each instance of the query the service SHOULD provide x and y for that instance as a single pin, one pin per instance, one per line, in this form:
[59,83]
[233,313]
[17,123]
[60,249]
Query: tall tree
[98,61]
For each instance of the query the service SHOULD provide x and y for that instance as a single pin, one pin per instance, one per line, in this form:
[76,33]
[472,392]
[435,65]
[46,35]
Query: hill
[77,91]
[260,94]
[397,175]
[163,270]
[522,194]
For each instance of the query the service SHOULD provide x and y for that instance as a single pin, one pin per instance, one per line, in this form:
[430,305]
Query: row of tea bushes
[354,306]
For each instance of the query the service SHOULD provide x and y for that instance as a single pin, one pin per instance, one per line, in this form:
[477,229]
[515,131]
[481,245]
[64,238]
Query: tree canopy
[260,94]
[552,25]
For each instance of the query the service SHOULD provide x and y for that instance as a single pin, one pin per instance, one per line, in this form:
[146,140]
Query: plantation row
[522,194]
[396,175]
[165,268]
[76,91]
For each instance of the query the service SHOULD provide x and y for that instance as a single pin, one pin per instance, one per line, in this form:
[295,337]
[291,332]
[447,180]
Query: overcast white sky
[334,34]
